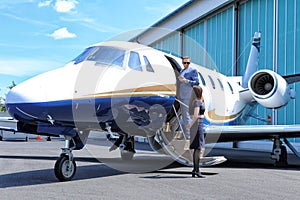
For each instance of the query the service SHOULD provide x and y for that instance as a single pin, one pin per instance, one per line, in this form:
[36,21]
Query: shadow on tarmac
[172,174]
[80,159]
[46,176]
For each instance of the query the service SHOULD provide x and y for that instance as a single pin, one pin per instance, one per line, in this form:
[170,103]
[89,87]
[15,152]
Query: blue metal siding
[288,47]
[193,44]
[215,35]
[169,44]
[297,59]
[256,16]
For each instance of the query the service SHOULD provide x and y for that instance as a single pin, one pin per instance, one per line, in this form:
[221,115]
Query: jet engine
[269,89]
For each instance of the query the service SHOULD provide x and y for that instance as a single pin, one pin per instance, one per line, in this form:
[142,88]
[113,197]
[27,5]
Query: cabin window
[220,83]
[148,65]
[108,56]
[212,82]
[84,55]
[134,61]
[202,79]
[230,87]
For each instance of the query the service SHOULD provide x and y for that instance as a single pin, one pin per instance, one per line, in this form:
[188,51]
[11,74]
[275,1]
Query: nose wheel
[65,168]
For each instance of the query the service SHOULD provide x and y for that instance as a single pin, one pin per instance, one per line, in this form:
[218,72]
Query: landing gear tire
[126,155]
[279,153]
[282,159]
[64,169]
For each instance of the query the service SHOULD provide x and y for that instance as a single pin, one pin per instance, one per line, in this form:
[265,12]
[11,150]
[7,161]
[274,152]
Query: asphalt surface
[26,172]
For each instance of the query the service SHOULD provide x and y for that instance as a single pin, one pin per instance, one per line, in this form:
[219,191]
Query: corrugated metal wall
[256,16]
[226,36]
[210,42]
[170,44]
[288,49]
[194,44]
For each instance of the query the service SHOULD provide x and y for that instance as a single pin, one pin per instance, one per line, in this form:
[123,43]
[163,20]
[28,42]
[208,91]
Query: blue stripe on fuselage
[68,110]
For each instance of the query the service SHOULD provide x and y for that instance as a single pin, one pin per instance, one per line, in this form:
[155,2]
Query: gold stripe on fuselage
[156,90]
[211,116]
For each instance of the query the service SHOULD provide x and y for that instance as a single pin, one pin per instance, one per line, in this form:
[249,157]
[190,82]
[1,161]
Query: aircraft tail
[252,64]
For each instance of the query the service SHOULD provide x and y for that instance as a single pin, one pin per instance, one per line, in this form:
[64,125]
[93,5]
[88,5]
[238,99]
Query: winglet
[252,64]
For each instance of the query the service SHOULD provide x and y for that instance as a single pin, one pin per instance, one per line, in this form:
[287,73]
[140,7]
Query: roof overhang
[179,19]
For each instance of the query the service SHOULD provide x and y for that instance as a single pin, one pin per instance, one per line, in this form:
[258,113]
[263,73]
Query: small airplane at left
[131,89]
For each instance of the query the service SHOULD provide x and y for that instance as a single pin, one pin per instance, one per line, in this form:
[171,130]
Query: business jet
[130,89]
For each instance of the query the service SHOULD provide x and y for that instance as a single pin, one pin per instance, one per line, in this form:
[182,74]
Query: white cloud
[65,6]
[44,3]
[91,23]
[62,33]
[27,20]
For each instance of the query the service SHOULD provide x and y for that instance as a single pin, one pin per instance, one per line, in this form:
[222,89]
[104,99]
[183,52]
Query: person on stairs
[187,79]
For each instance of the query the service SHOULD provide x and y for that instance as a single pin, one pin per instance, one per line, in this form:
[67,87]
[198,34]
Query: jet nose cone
[14,100]
[15,96]
[26,92]
[21,101]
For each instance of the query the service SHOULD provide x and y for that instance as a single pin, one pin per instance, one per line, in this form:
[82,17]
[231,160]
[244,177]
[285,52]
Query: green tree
[2,100]
[13,84]
[2,104]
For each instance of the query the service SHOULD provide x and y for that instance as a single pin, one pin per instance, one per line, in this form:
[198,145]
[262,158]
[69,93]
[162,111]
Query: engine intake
[269,89]
[262,83]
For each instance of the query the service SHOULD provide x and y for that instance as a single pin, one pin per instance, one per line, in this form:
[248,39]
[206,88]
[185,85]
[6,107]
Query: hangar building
[224,29]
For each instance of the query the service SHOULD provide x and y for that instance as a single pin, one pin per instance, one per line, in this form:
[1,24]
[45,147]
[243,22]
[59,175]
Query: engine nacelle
[269,89]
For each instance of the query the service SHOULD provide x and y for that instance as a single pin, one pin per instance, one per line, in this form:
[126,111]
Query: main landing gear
[126,145]
[279,153]
[65,166]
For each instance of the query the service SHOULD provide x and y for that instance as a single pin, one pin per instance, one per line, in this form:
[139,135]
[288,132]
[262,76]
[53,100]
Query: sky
[40,35]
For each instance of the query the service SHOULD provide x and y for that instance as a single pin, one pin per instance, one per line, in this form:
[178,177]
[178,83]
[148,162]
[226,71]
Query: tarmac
[26,172]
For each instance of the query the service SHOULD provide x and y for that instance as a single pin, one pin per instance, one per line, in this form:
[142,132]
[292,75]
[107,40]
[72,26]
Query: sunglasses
[186,63]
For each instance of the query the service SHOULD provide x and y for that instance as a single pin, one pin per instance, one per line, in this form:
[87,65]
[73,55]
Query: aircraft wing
[9,129]
[292,78]
[8,119]
[250,132]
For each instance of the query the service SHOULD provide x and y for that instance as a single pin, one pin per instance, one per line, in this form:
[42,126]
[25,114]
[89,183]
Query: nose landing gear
[65,166]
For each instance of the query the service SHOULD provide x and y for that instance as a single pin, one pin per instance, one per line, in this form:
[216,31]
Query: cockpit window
[148,65]
[84,55]
[108,56]
[134,61]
